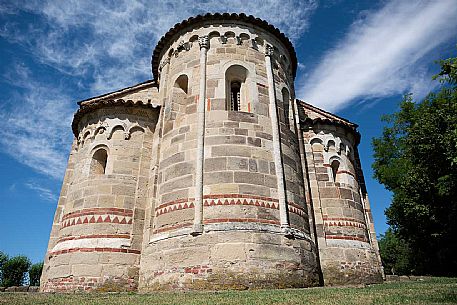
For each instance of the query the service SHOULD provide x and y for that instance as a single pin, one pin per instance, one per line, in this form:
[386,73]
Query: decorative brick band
[251,220]
[181,204]
[229,199]
[99,211]
[116,250]
[297,209]
[126,236]
[346,237]
[102,215]
[344,222]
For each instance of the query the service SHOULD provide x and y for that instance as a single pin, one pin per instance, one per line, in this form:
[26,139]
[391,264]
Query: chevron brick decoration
[228,199]
[99,215]
[343,222]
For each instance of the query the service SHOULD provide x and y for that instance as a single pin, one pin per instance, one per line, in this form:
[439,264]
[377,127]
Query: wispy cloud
[99,46]
[42,191]
[111,43]
[381,54]
[34,124]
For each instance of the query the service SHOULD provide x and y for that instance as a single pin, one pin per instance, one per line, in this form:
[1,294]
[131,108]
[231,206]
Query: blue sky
[356,58]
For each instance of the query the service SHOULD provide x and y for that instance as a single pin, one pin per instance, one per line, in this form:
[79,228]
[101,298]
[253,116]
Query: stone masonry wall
[242,245]
[347,252]
[98,230]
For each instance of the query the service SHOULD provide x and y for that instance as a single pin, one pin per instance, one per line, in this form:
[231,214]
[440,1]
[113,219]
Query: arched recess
[337,168]
[244,37]
[182,82]
[99,161]
[286,105]
[214,34]
[237,92]
[180,89]
[331,147]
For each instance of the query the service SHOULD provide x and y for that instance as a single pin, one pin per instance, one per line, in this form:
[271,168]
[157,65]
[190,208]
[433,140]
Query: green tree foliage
[35,274]
[395,254]
[3,260]
[15,270]
[416,159]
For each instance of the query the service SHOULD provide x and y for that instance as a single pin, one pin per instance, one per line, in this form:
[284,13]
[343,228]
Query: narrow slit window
[98,164]
[235,96]
[335,165]
[285,100]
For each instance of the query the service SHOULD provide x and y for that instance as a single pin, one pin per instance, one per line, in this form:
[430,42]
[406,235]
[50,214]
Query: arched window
[182,82]
[179,96]
[335,165]
[236,88]
[98,163]
[286,105]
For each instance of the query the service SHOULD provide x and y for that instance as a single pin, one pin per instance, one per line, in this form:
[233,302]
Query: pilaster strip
[198,213]
[283,211]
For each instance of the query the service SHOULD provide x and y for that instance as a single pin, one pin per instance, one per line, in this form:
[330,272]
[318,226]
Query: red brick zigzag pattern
[344,222]
[101,215]
[264,202]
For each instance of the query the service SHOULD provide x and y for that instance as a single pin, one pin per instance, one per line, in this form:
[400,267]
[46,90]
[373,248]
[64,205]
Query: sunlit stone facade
[212,176]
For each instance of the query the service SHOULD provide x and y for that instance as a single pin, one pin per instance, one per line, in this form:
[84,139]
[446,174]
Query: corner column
[203,41]
[283,213]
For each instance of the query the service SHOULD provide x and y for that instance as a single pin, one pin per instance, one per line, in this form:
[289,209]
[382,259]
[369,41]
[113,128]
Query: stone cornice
[112,95]
[192,21]
[327,119]
[112,99]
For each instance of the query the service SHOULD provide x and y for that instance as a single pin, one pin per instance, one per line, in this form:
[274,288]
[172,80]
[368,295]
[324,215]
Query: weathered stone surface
[168,188]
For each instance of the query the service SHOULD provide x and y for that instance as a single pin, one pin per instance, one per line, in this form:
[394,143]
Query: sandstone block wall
[212,176]
[241,209]
[344,227]
[98,227]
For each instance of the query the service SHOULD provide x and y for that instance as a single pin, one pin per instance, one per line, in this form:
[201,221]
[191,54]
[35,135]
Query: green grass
[428,291]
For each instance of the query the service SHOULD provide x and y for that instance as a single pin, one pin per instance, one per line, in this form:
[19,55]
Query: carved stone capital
[164,63]
[203,41]
[268,50]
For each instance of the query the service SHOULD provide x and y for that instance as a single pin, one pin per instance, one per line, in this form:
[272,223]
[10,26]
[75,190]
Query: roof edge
[326,113]
[109,95]
[221,16]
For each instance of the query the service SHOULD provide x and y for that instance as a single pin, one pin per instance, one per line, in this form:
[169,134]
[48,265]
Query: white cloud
[381,54]
[100,46]
[101,40]
[35,124]
[42,191]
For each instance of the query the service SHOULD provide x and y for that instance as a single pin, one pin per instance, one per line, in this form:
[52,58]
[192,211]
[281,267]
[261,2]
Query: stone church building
[212,175]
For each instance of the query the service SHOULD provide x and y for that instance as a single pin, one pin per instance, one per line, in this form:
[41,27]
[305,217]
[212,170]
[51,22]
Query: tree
[416,159]
[35,274]
[14,271]
[3,260]
[395,254]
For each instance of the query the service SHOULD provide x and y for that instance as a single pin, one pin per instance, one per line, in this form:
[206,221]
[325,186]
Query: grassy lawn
[429,291]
